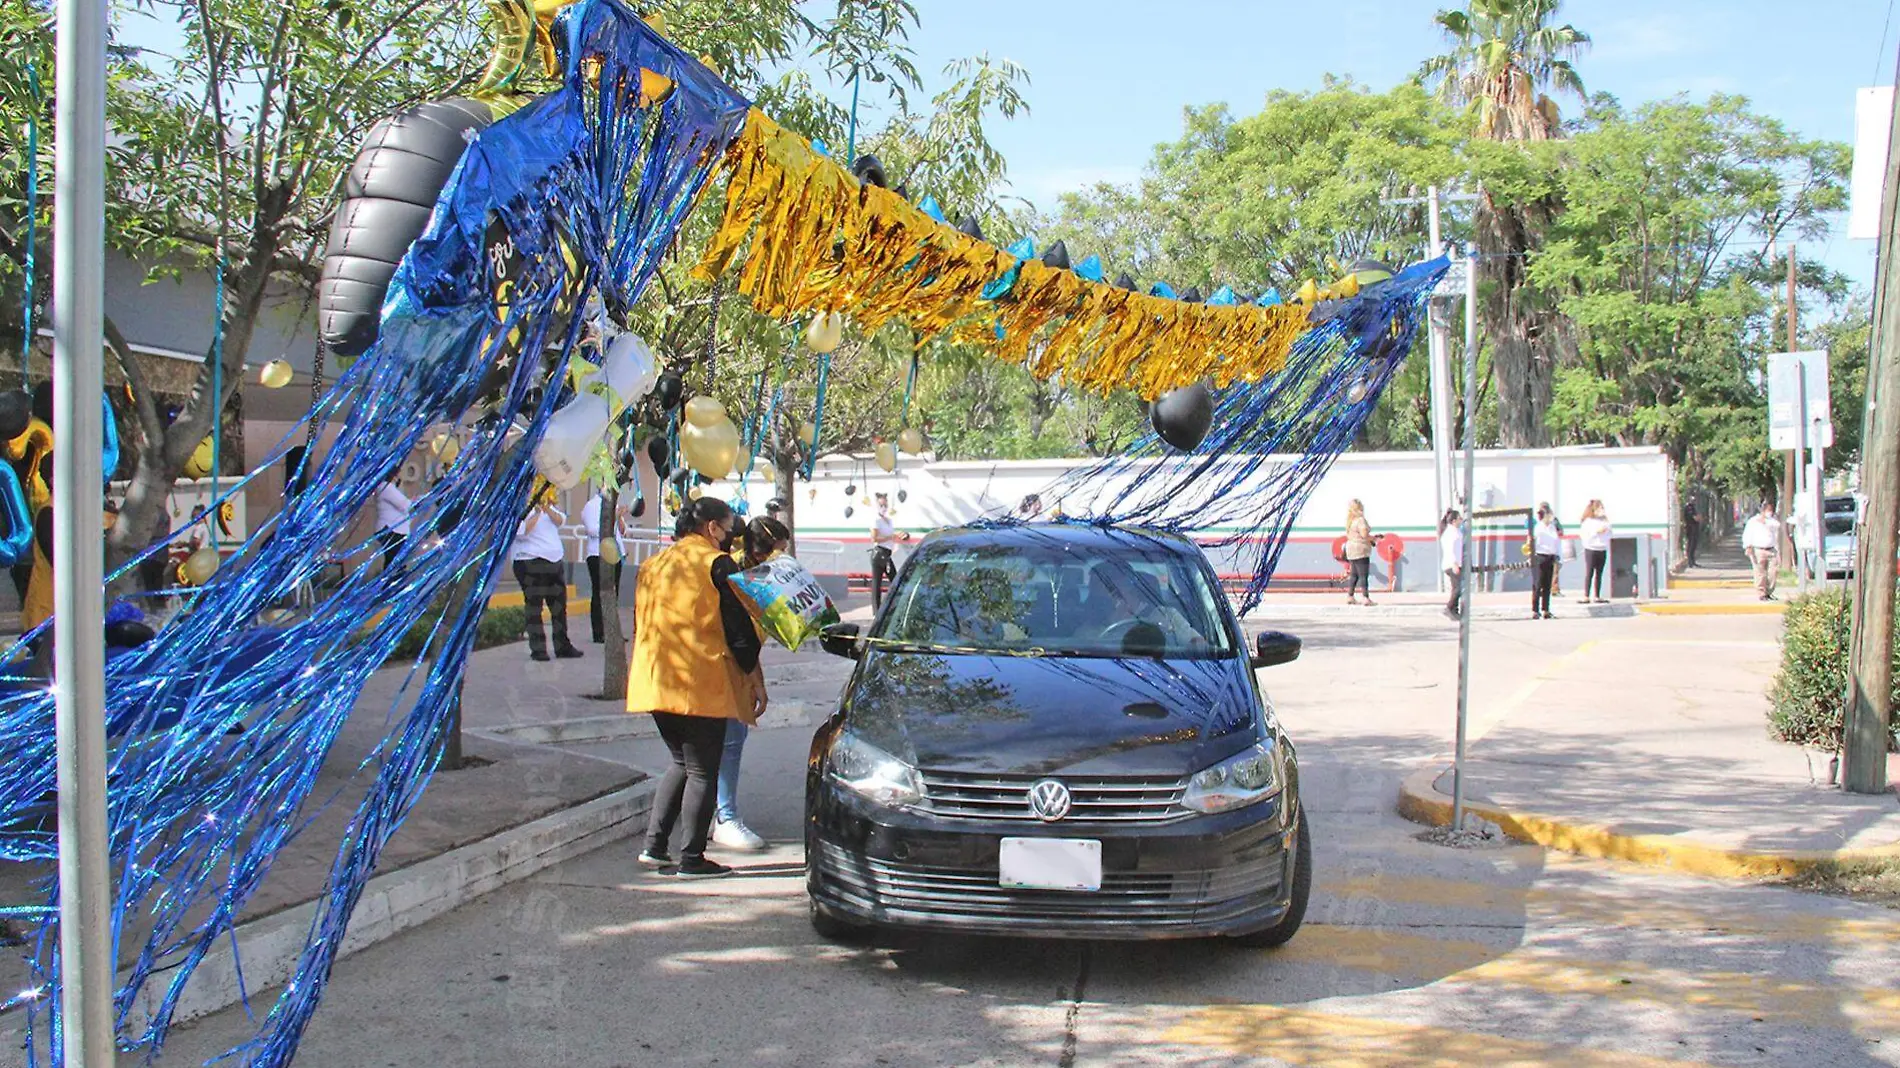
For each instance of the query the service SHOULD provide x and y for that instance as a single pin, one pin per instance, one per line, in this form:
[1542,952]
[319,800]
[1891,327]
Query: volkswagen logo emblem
[1049,800]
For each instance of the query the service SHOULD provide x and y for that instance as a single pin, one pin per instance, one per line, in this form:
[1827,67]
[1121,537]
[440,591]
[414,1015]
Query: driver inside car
[1124,614]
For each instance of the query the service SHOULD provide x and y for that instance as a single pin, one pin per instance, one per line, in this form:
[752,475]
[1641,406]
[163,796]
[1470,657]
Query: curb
[618,726]
[1421,801]
[269,948]
[1489,612]
[1748,608]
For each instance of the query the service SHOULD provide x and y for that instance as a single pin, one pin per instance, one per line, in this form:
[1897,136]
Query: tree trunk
[613,676]
[785,461]
[1527,337]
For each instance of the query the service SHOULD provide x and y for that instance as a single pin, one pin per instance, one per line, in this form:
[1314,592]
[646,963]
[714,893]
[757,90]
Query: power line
[1881,52]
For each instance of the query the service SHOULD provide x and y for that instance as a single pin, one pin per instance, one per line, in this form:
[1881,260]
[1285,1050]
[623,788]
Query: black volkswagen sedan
[1055,730]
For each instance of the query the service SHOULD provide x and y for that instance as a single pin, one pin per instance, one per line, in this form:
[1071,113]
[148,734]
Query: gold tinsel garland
[821,241]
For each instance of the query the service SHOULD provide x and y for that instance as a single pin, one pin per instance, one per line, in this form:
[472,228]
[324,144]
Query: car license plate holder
[1050,864]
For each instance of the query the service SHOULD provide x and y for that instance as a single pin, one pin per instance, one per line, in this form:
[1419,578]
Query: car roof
[1079,536]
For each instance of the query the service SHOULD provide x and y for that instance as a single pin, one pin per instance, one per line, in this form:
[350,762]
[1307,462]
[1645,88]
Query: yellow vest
[37,606]
[681,663]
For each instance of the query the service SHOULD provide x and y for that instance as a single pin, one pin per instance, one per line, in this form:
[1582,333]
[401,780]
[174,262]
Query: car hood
[1041,715]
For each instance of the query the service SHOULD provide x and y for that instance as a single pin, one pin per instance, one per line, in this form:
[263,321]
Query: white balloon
[575,429]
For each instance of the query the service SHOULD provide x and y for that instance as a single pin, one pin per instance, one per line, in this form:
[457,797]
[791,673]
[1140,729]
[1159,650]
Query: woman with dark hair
[1547,543]
[764,537]
[695,666]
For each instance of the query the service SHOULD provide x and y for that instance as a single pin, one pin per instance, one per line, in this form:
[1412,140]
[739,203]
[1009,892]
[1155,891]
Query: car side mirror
[841,639]
[1273,647]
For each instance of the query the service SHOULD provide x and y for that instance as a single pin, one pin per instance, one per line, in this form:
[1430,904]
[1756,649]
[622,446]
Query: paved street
[1413,954]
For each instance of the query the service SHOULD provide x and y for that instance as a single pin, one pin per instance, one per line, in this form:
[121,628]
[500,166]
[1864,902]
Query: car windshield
[1840,524]
[1137,599]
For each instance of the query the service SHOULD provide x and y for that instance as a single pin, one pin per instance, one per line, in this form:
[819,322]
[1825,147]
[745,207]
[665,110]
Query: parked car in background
[1839,545]
[1056,731]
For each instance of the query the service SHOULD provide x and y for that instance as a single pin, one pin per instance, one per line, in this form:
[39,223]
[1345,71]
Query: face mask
[725,540]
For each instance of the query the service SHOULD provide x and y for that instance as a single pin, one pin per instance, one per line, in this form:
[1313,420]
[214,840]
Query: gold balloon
[654,87]
[1309,292]
[275,374]
[826,332]
[446,448]
[765,471]
[200,566]
[705,411]
[609,552]
[886,456]
[1347,286]
[696,492]
[657,22]
[807,433]
[199,465]
[710,450]
[911,440]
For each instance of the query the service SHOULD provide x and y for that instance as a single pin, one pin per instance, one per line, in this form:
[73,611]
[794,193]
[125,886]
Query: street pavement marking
[1554,904]
[1544,971]
[1327,1040]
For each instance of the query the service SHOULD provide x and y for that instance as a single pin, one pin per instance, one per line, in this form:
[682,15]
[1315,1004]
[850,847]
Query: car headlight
[872,773]
[1241,780]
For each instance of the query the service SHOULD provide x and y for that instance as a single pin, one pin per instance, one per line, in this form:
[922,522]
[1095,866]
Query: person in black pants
[538,555]
[884,539]
[1547,544]
[1595,533]
[592,534]
[1691,531]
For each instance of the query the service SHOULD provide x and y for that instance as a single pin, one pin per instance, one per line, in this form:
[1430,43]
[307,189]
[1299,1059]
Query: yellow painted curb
[1744,608]
[575,602]
[1711,584]
[1421,802]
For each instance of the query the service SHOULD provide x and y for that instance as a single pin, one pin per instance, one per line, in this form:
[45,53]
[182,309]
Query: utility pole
[1870,647]
[1439,342]
[1466,608]
[86,974]
[1789,462]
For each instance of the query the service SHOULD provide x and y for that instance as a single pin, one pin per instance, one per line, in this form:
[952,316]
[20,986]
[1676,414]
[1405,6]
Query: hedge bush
[498,626]
[1809,694]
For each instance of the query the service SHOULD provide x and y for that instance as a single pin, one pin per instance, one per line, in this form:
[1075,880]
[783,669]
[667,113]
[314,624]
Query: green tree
[1504,55]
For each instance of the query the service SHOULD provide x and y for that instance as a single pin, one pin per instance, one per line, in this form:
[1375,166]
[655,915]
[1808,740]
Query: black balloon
[1057,256]
[43,403]
[670,390]
[16,410]
[1182,416]
[660,454]
[388,196]
[851,490]
[902,496]
[639,507]
[1122,281]
[848,510]
[127,633]
[968,227]
[870,170]
[1192,295]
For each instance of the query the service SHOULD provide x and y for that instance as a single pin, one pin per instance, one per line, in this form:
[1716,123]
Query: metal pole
[1439,349]
[1789,477]
[1798,457]
[1464,570]
[85,904]
[1817,475]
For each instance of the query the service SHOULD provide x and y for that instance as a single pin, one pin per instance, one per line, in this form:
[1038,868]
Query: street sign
[1785,372]
[1453,284]
[1873,125]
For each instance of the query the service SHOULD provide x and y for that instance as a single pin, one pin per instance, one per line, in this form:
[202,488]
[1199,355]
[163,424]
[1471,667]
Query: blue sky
[1109,77]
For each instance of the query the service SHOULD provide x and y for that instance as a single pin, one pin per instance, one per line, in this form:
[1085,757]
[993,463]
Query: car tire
[831,928]
[1282,932]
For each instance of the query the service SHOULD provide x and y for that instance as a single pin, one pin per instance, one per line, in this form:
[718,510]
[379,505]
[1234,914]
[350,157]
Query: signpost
[1800,422]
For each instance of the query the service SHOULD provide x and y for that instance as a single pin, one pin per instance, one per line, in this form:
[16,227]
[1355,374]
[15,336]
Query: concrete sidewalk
[1650,744]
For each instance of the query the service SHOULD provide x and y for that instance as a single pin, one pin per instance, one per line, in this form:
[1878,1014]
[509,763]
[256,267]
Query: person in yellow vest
[695,666]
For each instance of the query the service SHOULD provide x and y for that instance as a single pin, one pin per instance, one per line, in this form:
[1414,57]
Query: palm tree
[1505,54]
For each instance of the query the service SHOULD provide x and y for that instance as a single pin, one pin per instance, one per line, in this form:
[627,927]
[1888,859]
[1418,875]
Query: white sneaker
[734,834]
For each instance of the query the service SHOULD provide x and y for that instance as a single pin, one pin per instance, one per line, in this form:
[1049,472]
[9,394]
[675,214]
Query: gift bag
[786,600]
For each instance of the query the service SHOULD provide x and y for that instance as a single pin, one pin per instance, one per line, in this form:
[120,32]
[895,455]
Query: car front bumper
[1222,874]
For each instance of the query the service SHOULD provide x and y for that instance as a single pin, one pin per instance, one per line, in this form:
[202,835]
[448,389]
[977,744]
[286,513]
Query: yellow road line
[1419,958]
[1740,608]
[1557,904]
[1327,1040]
[575,602]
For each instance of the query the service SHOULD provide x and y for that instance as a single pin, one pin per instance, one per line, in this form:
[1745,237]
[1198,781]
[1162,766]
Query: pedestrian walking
[764,538]
[1451,556]
[538,555]
[1547,544]
[1358,553]
[1691,531]
[1594,532]
[695,666]
[1761,540]
[884,539]
[591,537]
[392,518]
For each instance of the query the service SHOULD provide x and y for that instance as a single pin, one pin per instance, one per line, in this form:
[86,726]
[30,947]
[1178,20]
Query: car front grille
[975,897]
[1005,798]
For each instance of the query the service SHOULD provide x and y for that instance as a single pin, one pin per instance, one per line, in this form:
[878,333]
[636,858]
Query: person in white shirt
[590,537]
[1761,540]
[884,539]
[1547,544]
[1451,555]
[537,557]
[1594,532]
[392,518]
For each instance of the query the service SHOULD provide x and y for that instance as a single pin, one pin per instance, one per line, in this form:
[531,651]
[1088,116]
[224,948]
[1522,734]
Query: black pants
[1594,561]
[882,567]
[1691,540]
[543,584]
[392,544]
[690,785]
[22,574]
[1546,574]
[1457,588]
[1361,578]
[594,609]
